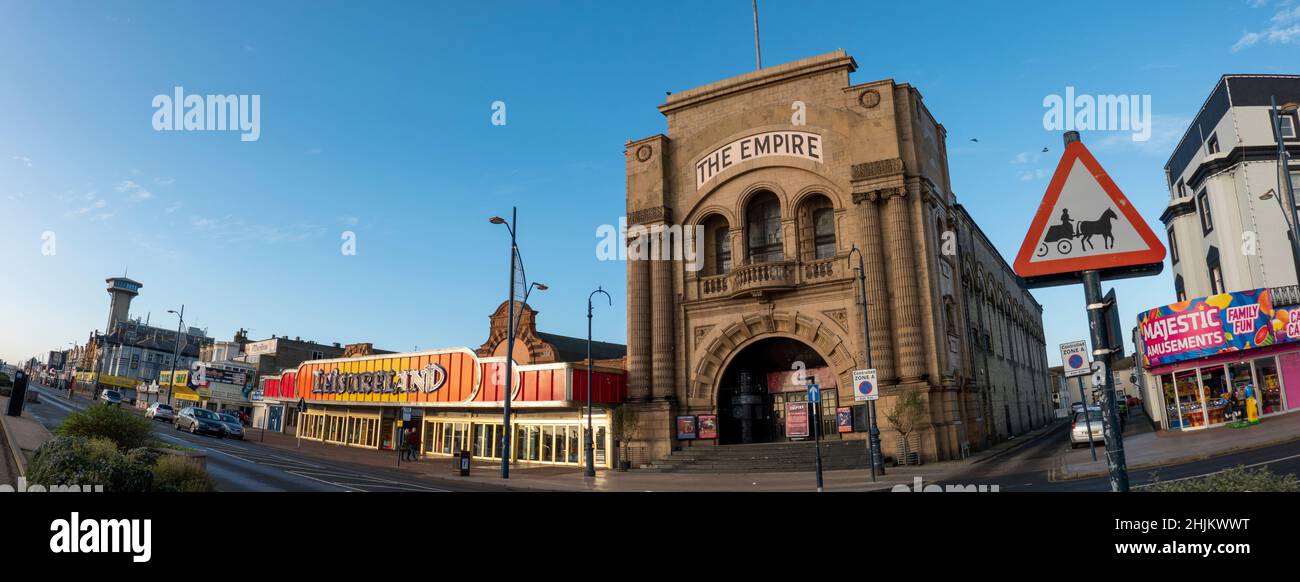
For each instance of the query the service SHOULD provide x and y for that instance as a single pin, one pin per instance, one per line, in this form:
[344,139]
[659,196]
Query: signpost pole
[1115,462]
[814,403]
[874,459]
[1087,418]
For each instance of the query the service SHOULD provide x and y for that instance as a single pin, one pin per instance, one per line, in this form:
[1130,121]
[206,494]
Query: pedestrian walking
[413,443]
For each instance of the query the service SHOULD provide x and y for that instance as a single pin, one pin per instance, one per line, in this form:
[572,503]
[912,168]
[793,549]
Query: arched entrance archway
[758,383]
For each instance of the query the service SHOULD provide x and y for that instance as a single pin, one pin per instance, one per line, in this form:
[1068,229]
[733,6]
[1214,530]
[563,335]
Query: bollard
[18,395]
[464,463]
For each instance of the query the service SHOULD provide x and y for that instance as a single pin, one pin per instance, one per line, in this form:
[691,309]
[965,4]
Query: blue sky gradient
[375,118]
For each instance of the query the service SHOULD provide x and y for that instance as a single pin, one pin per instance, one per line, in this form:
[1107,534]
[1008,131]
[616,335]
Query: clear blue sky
[375,118]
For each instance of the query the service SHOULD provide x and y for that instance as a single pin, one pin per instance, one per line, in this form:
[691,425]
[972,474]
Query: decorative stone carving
[648,215]
[643,153]
[869,98]
[839,316]
[877,169]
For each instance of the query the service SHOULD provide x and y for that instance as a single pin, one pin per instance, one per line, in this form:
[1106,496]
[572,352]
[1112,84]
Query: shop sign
[799,144]
[796,419]
[426,379]
[1205,326]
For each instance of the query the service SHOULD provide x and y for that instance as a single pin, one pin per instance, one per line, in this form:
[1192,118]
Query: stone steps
[763,458]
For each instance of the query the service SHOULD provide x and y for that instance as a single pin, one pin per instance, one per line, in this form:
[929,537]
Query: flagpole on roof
[758,52]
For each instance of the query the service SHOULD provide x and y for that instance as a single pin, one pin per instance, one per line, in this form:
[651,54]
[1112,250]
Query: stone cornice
[876,169]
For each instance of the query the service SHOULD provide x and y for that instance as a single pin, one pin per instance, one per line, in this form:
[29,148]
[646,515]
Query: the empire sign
[800,144]
[427,379]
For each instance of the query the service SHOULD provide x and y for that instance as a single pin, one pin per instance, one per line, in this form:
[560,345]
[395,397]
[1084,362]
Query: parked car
[1076,408]
[160,411]
[1133,401]
[232,426]
[1079,428]
[200,421]
[111,397]
[239,414]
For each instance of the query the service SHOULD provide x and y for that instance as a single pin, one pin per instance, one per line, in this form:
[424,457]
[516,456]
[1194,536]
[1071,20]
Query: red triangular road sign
[1085,223]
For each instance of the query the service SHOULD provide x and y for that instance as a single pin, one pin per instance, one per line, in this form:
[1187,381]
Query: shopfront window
[1214,387]
[600,445]
[1269,385]
[1183,400]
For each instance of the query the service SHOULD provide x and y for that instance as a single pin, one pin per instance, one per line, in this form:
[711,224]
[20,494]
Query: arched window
[824,232]
[816,222]
[763,229]
[717,238]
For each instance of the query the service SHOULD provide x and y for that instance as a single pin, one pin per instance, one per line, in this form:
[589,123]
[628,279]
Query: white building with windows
[1224,224]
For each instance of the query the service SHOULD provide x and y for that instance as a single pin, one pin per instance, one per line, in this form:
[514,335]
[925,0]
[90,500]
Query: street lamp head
[497,220]
[541,286]
[1267,195]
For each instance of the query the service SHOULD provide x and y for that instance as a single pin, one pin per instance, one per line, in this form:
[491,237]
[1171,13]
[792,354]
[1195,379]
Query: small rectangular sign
[1074,359]
[796,420]
[864,385]
[686,428]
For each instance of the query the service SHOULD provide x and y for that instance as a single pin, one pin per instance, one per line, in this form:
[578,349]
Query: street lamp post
[591,453]
[176,354]
[873,435]
[510,337]
[1284,185]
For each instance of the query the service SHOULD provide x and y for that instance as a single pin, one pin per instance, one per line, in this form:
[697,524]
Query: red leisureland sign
[1085,223]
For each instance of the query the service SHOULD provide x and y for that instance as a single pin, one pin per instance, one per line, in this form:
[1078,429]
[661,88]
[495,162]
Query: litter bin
[18,394]
[462,464]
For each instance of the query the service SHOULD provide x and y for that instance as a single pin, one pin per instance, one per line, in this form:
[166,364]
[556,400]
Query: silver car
[231,426]
[1079,428]
[160,411]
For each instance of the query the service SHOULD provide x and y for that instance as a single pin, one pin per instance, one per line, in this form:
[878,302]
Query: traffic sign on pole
[814,393]
[864,385]
[1075,358]
[1085,223]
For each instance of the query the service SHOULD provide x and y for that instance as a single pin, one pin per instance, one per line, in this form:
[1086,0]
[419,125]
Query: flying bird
[1044,150]
[974,140]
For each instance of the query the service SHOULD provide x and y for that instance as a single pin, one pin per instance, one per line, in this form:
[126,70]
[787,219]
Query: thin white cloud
[235,230]
[1166,130]
[1023,158]
[24,160]
[164,181]
[1284,28]
[133,190]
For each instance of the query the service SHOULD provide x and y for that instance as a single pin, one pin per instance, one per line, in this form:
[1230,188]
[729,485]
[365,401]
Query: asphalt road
[248,466]
[1027,468]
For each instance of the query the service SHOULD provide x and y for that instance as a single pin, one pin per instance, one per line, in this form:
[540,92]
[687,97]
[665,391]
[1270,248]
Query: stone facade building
[743,220]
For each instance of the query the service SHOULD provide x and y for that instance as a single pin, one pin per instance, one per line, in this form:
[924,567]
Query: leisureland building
[455,396]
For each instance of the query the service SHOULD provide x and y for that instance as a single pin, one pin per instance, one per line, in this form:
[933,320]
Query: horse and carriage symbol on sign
[1063,235]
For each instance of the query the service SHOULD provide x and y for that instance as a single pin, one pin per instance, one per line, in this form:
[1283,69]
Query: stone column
[638,323]
[661,275]
[910,351]
[882,344]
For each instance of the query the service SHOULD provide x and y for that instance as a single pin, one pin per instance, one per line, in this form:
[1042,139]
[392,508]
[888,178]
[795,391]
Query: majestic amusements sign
[800,144]
[1206,326]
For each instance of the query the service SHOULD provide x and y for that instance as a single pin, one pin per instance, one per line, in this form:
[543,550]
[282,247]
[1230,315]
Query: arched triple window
[763,229]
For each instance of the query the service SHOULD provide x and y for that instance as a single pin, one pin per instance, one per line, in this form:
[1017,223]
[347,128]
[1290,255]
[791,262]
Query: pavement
[21,437]
[564,478]
[1148,449]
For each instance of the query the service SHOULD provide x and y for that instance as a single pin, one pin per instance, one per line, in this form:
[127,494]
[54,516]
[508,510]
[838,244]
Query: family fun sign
[1206,326]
